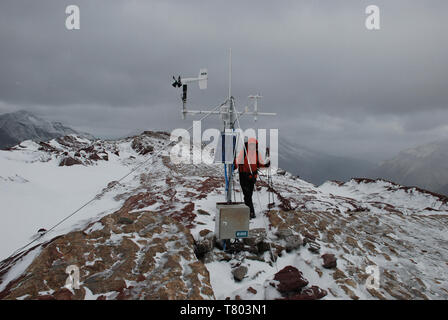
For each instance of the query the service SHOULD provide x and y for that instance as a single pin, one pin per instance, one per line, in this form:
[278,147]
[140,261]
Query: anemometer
[233,217]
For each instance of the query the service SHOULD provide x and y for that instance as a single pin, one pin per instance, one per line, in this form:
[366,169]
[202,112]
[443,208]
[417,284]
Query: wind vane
[229,115]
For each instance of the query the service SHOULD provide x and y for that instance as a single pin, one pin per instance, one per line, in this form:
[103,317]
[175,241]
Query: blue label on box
[241,234]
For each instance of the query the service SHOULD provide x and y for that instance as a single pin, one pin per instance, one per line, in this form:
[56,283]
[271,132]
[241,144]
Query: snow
[19,267]
[37,193]
[42,193]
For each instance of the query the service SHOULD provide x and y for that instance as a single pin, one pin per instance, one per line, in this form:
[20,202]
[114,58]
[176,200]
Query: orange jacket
[252,160]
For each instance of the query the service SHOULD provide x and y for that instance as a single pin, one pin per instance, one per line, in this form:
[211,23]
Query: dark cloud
[335,85]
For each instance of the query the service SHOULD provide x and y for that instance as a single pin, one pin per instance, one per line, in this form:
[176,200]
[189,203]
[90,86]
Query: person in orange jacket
[248,162]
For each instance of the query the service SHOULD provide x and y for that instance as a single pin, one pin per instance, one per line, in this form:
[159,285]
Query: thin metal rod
[230,72]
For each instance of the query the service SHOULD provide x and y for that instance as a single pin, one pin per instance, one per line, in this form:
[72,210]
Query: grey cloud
[333,83]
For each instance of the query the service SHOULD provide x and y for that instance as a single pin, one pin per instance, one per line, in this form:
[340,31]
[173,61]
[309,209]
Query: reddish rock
[102,297]
[329,261]
[94,157]
[63,294]
[141,278]
[291,280]
[252,290]
[69,161]
[312,293]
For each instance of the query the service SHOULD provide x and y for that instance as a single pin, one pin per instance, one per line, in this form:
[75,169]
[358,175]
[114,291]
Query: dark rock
[203,212]
[63,294]
[281,172]
[239,273]
[291,280]
[312,293]
[252,290]
[255,237]
[204,243]
[69,161]
[124,220]
[94,156]
[105,156]
[140,146]
[313,247]
[263,247]
[329,261]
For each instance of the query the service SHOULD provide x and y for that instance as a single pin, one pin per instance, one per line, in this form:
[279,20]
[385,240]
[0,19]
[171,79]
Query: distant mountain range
[425,166]
[22,125]
[318,167]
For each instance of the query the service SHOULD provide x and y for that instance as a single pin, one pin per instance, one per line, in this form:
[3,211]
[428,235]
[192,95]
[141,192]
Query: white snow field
[401,230]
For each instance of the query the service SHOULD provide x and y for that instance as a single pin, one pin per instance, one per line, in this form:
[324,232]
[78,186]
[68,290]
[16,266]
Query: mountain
[318,167]
[146,230]
[425,166]
[23,125]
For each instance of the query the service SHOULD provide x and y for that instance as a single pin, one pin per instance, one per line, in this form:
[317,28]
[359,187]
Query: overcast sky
[335,85]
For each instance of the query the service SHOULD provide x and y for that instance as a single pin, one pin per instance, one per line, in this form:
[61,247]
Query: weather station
[232,217]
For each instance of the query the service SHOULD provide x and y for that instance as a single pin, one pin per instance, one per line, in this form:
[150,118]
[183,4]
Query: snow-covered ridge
[371,192]
[362,222]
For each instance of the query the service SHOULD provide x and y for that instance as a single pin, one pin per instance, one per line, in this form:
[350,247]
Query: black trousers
[247,185]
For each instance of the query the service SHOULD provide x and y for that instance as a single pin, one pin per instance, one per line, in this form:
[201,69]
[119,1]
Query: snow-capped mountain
[149,234]
[23,125]
[425,166]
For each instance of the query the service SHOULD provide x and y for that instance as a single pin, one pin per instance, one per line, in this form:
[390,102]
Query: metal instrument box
[232,220]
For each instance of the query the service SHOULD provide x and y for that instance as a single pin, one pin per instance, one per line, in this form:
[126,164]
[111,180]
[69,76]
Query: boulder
[69,161]
[292,241]
[281,172]
[204,243]
[312,293]
[290,280]
[239,273]
[329,261]
[255,237]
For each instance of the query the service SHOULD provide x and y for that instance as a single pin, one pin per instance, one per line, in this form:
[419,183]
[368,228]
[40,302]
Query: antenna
[230,72]
[227,111]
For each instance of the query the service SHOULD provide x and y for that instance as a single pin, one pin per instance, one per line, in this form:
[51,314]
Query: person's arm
[263,164]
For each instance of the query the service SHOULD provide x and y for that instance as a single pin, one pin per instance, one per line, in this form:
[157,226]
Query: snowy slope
[362,222]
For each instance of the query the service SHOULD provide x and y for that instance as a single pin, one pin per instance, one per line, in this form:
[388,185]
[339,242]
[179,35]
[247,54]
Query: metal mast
[227,111]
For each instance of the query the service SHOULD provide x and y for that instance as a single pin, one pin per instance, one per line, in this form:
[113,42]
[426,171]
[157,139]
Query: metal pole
[230,125]
[230,73]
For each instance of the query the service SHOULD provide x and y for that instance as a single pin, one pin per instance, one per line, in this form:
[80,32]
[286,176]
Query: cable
[18,251]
